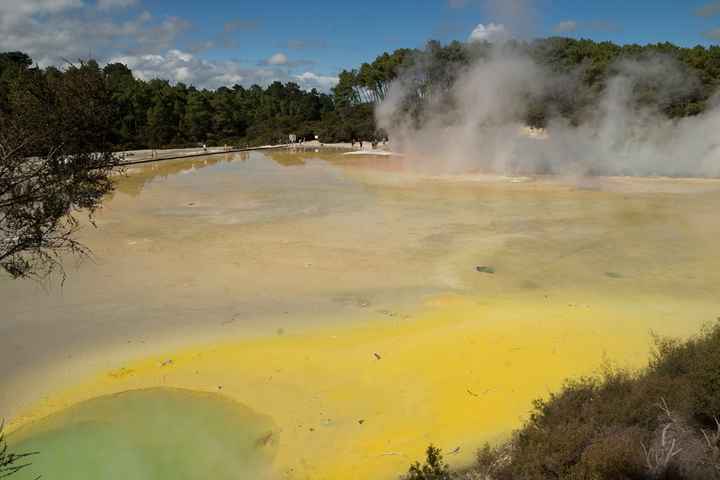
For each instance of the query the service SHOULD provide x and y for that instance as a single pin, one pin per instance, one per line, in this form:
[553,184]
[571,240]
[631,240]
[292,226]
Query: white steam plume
[478,124]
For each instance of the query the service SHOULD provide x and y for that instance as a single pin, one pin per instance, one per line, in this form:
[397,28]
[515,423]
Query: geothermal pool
[341,313]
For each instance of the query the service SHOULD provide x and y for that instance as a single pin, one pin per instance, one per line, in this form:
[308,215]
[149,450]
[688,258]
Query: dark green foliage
[434,468]
[660,423]
[694,368]
[158,114]
[18,59]
[580,69]
[55,159]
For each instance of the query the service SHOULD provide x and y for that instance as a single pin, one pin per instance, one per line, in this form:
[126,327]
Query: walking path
[137,157]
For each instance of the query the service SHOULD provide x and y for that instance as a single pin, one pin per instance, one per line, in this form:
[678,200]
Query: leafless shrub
[491,462]
[55,162]
[712,445]
[681,450]
[665,445]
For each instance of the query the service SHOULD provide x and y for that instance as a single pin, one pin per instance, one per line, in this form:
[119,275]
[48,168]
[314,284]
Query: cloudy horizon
[245,45]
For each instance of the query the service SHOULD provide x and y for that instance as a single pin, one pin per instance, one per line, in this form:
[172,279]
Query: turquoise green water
[150,434]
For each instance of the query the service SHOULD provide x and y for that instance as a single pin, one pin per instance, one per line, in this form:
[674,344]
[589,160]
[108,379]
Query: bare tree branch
[55,162]
[11,463]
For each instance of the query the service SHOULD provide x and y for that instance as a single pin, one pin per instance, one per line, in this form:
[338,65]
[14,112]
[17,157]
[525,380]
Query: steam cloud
[478,125]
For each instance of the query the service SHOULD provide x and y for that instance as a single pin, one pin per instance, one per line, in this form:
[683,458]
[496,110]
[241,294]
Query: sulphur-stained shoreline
[367,310]
[364,400]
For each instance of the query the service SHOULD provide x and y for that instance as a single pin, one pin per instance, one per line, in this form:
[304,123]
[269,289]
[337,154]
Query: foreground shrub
[10,463]
[662,423]
[434,468]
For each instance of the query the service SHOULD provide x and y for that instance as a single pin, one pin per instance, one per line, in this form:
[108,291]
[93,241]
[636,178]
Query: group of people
[374,143]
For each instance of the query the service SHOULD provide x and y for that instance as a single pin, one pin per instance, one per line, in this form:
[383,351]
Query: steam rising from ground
[479,124]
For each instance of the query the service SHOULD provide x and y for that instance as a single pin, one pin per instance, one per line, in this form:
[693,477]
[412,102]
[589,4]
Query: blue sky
[213,43]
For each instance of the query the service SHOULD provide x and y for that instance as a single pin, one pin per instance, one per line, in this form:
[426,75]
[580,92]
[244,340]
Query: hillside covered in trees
[158,114]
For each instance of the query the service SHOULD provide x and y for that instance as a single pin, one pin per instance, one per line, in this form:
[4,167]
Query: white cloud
[161,36]
[566,26]
[110,4]
[282,60]
[277,59]
[178,66]
[15,8]
[50,39]
[310,80]
[492,32]
[53,31]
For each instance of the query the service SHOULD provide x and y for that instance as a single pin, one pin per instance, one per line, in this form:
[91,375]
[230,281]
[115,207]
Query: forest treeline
[157,113]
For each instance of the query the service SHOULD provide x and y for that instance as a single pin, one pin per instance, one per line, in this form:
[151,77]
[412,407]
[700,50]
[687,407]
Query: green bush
[434,468]
[696,363]
[659,423]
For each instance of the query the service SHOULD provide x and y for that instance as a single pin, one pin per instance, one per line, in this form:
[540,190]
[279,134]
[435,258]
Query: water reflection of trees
[138,177]
[295,157]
